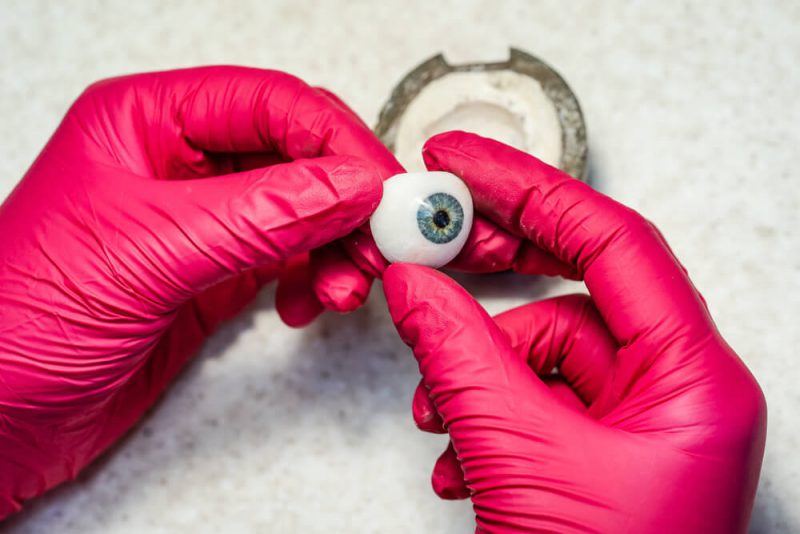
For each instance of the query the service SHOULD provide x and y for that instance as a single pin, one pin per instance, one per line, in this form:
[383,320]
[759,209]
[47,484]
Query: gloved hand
[158,208]
[651,424]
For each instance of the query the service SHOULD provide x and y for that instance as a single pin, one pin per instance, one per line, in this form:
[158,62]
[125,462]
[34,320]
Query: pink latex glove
[150,217]
[652,423]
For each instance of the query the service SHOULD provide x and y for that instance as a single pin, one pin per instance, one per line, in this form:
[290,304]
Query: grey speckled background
[693,119]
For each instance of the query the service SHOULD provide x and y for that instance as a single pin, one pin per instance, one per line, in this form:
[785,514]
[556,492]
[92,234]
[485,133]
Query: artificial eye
[423,217]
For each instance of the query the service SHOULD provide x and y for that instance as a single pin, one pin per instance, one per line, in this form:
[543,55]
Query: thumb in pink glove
[652,423]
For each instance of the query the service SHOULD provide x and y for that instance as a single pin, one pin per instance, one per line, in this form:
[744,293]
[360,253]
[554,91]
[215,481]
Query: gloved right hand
[652,423]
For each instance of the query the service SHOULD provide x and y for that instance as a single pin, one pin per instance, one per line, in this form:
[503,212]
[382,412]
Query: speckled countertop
[693,119]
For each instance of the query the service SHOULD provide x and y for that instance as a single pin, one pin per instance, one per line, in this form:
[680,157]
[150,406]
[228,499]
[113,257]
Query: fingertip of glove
[339,284]
[298,321]
[443,139]
[397,278]
[341,299]
[298,315]
[295,302]
[434,150]
[415,295]
[448,487]
[424,413]
[353,178]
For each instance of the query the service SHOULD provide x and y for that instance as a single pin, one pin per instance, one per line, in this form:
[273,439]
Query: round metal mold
[573,128]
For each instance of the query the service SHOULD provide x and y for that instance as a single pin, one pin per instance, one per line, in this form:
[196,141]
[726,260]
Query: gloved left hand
[159,207]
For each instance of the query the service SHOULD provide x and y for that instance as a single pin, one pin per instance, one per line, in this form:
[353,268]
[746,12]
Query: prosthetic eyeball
[423,217]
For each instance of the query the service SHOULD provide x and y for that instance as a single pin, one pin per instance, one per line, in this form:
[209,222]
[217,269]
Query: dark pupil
[441,219]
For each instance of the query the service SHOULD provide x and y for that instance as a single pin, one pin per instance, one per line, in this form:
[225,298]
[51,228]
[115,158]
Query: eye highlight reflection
[440,218]
[423,217]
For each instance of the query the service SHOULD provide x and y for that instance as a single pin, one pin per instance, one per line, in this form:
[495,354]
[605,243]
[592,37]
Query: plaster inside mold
[504,105]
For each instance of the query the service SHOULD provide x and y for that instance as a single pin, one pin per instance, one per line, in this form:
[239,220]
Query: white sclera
[394,224]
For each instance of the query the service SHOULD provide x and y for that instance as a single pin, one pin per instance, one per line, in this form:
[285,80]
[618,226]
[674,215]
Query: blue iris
[440,218]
